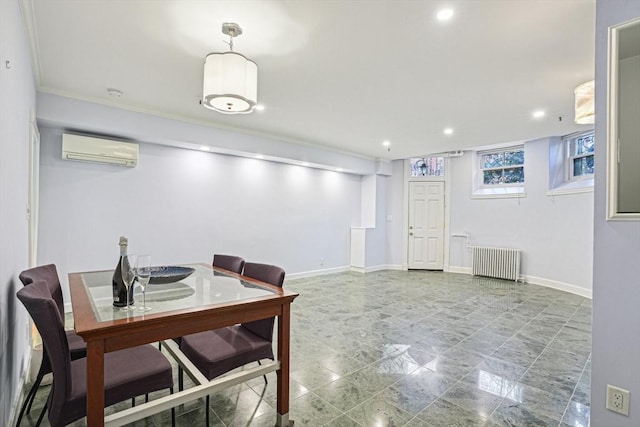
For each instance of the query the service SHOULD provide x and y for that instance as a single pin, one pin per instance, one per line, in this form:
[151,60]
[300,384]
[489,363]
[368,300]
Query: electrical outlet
[617,400]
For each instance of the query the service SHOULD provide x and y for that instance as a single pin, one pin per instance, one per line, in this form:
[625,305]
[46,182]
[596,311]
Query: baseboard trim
[375,268]
[562,286]
[382,267]
[314,273]
[535,280]
[351,268]
[459,270]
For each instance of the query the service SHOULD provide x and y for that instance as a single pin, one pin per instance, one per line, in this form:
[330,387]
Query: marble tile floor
[418,348]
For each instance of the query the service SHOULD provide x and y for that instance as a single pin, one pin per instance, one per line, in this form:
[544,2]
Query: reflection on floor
[418,348]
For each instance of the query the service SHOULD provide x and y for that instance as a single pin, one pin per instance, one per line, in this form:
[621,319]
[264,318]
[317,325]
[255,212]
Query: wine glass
[143,275]
[127,265]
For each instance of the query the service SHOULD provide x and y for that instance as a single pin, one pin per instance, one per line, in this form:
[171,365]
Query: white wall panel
[395,219]
[616,269]
[554,232]
[182,205]
[17,101]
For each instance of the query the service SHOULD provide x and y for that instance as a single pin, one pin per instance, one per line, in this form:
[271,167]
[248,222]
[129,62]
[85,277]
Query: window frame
[479,158]
[571,156]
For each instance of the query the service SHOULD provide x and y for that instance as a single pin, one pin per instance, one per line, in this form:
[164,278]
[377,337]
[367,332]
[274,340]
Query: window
[502,168]
[580,151]
[571,163]
[427,166]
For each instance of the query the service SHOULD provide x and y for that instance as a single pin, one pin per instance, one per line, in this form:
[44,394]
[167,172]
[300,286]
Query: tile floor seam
[416,297]
[537,357]
[574,390]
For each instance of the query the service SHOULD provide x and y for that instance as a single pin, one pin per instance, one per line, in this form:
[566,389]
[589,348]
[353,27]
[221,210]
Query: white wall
[396,209]
[554,232]
[183,205]
[368,200]
[58,111]
[616,270]
[376,237]
[17,100]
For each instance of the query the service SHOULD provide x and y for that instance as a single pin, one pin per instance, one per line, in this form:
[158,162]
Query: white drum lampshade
[584,107]
[230,83]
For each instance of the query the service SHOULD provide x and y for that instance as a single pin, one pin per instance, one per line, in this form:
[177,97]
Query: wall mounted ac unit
[98,150]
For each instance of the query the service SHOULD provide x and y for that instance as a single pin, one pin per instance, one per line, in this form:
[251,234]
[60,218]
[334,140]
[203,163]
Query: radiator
[496,262]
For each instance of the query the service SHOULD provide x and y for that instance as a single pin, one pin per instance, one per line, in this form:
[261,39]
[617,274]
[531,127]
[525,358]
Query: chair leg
[34,389]
[146,396]
[27,399]
[206,408]
[42,411]
[180,379]
[41,415]
[133,402]
[173,411]
[264,376]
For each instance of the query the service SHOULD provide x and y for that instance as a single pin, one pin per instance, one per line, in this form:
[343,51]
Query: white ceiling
[340,74]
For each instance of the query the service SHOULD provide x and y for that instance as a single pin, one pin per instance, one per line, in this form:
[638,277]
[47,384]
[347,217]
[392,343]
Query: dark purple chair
[221,350]
[232,263]
[268,274]
[77,346]
[229,262]
[127,373]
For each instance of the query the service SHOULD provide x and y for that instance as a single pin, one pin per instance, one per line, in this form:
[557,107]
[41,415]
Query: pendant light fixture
[230,79]
[584,99]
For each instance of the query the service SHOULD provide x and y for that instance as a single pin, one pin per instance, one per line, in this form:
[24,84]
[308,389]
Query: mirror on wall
[623,139]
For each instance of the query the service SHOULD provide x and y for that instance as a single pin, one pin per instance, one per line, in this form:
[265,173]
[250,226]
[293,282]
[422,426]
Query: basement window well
[571,164]
[499,173]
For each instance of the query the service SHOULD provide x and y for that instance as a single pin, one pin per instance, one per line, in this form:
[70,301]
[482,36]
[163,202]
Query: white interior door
[426,225]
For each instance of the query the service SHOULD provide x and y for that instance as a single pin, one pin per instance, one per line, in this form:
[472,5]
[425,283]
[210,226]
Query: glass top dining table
[204,287]
[209,298]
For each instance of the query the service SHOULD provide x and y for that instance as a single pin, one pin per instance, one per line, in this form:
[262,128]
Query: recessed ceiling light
[448,131]
[444,14]
[386,143]
[339,170]
[538,114]
[305,164]
[114,92]
[259,156]
[259,107]
[204,148]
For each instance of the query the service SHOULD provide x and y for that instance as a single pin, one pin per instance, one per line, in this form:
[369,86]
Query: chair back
[269,274]
[43,309]
[228,262]
[49,274]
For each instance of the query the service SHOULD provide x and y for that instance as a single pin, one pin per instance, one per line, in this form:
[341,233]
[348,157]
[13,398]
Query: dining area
[209,318]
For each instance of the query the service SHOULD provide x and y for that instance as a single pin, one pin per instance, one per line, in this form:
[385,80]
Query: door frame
[405,217]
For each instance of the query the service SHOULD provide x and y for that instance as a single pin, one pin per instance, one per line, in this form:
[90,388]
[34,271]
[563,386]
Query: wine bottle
[117,284]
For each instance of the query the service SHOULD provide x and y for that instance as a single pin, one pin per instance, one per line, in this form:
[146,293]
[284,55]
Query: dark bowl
[169,274]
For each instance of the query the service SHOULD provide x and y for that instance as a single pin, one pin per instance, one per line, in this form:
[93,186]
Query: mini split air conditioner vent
[98,150]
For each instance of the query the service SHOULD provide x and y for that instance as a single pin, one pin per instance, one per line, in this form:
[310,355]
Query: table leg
[282,406]
[95,383]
